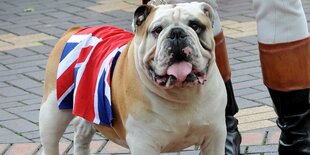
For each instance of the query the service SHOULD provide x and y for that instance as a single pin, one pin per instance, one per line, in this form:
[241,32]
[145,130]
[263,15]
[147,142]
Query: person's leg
[284,46]
[233,139]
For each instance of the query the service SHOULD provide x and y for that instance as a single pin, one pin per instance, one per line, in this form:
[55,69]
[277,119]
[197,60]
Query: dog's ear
[208,10]
[140,15]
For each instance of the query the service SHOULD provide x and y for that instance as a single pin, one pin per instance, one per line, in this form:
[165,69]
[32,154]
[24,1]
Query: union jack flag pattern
[85,71]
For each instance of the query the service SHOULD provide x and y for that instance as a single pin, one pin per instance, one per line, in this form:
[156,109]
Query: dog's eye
[196,28]
[156,31]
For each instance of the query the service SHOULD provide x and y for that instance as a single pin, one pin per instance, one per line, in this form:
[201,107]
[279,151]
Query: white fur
[175,126]
[53,123]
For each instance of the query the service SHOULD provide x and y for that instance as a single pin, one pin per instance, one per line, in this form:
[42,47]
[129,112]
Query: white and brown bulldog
[167,93]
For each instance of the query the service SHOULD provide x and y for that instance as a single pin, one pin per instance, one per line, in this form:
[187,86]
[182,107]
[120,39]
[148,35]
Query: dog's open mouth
[179,74]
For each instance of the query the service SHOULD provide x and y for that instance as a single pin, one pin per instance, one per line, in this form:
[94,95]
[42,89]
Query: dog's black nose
[177,33]
[178,42]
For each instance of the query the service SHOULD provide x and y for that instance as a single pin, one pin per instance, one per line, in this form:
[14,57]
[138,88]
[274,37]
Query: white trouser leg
[280,21]
[53,122]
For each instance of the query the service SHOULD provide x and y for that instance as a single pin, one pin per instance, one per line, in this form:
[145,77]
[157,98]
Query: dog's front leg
[140,145]
[215,143]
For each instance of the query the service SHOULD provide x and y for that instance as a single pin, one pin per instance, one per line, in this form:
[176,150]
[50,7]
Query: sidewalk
[30,28]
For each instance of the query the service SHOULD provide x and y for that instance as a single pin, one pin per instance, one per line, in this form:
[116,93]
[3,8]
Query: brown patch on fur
[53,61]
[206,21]
[142,30]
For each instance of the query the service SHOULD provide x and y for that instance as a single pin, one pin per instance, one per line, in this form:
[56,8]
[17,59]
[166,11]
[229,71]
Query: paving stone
[23,59]
[4,100]
[71,9]
[255,71]
[32,134]
[25,83]
[21,30]
[11,74]
[242,78]
[255,125]
[32,116]
[246,91]
[257,117]
[273,137]
[51,42]
[111,147]
[44,49]
[8,136]
[27,64]
[95,147]
[37,90]
[3,148]
[247,84]
[24,108]
[10,104]
[245,65]
[21,52]
[6,116]
[11,91]
[190,153]
[32,101]
[19,125]
[244,103]
[59,14]
[253,138]
[265,148]
[271,153]
[37,75]
[27,149]
[4,57]
[257,96]
[2,84]
[64,147]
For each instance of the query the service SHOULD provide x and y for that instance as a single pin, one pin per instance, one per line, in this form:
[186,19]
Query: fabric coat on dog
[85,71]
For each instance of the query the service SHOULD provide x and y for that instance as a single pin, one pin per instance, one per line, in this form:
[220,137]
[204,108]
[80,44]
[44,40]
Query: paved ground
[30,28]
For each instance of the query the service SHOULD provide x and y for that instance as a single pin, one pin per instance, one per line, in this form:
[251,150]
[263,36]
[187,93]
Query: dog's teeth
[153,75]
[170,81]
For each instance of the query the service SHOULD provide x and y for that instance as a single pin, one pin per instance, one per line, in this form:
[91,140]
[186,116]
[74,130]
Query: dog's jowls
[166,91]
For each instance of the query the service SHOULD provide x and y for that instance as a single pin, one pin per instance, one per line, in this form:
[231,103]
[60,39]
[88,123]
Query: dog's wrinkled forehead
[179,13]
[174,14]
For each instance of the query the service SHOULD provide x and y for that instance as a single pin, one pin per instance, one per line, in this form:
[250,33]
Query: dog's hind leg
[53,123]
[83,133]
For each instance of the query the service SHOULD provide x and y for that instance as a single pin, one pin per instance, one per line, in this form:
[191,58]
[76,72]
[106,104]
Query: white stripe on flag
[64,95]
[77,38]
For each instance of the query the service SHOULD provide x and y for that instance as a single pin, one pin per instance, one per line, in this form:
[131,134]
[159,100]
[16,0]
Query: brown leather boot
[286,73]
[233,139]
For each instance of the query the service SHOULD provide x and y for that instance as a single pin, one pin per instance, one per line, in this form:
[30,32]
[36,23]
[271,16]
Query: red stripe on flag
[65,80]
[84,53]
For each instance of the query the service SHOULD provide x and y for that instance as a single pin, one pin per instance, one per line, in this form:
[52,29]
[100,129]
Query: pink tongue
[180,70]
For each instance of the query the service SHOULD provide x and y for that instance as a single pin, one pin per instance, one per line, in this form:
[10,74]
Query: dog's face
[174,43]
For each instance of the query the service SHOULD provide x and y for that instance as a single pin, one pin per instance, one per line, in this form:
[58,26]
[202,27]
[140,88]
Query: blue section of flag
[105,115]
[68,47]
[114,63]
[67,102]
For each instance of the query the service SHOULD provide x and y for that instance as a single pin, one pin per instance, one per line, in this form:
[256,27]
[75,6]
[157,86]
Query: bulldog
[166,93]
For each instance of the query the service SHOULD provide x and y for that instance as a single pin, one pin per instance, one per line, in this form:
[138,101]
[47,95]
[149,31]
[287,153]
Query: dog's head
[174,43]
